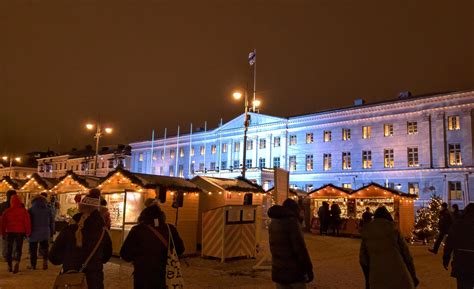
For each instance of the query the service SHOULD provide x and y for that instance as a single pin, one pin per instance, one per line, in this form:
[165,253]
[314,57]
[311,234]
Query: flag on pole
[252,57]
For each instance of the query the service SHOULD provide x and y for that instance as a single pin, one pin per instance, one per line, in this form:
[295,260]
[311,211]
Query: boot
[45,264]
[10,266]
[16,268]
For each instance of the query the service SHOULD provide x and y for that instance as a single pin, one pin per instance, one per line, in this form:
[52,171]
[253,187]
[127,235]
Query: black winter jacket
[65,252]
[290,259]
[445,221]
[149,254]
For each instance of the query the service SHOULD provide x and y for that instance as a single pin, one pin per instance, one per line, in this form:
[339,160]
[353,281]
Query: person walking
[146,246]
[291,263]
[460,245]
[15,227]
[42,229]
[3,206]
[324,217]
[78,240]
[445,221]
[335,218]
[456,214]
[384,255]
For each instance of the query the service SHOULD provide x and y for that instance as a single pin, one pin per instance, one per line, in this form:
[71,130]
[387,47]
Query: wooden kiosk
[7,184]
[36,185]
[229,195]
[334,194]
[399,204]
[126,192]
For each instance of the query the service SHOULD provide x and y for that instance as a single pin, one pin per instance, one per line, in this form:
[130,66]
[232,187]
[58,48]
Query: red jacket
[16,218]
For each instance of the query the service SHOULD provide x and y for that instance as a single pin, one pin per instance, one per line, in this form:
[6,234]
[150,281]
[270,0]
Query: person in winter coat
[335,218]
[384,255]
[147,252]
[77,241]
[445,221]
[456,214]
[324,215]
[460,244]
[42,228]
[3,206]
[15,226]
[291,264]
[105,213]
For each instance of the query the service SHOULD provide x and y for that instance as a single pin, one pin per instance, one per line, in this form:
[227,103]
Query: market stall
[398,203]
[36,185]
[126,192]
[7,184]
[334,195]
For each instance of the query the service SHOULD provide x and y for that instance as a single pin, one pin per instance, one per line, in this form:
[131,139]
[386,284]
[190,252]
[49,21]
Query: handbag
[173,277]
[73,279]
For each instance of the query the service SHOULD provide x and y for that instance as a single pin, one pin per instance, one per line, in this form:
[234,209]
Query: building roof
[87,181]
[377,186]
[294,192]
[46,183]
[14,183]
[239,184]
[331,188]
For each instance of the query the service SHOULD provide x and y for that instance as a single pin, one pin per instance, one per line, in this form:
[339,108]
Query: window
[236,164]
[366,132]
[201,167]
[154,157]
[388,130]
[292,161]
[455,192]
[412,157]
[413,188]
[327,135]
[213,149]
[171,171]
[237,147]
[192,151]
[191,168]
[309,162]
[181,152]
[453,122]
[249,145]
[248,163]
[388,161]
[292,140]
[346,161]
[162,152]
[261,163]
[308,187]
[181,171]
[412,127]
[327,162]
[213,166]
[346,134]
[276,141]
[224,147]
[309,137]
[367,159]
[262,144]
[202,150]
[224,165]
[140,157]
[276,162]
[347,185]
[455,155]
[172,153]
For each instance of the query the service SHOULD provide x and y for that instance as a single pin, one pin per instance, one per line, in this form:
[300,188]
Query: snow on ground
[335,261]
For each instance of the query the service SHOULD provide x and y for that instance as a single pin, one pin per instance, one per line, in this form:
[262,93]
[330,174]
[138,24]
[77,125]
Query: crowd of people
[329,218]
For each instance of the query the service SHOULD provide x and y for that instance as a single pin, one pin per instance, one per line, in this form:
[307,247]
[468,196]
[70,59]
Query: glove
[416,281]
[309,276]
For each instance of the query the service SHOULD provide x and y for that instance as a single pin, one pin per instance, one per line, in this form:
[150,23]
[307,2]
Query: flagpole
[164,153]
[254,80]
[152,143]
[190,147]
[177,155]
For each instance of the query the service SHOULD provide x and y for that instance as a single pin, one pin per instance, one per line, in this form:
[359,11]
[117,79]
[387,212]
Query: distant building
[23,169]
[420,145]
[82,162]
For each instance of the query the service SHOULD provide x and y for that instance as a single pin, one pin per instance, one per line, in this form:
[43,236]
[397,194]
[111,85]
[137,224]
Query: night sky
[143,64]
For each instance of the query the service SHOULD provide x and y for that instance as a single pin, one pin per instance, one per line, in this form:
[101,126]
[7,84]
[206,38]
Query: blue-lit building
[421,145]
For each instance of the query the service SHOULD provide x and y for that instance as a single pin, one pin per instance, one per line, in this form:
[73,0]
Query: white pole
[254,80]
[151,156]
[190,148]
[205,139]
[176,155]
[220,148]
[164,153]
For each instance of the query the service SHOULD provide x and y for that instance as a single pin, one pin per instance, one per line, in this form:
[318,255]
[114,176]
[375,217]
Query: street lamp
[11,158]
[238,95]
[98,134]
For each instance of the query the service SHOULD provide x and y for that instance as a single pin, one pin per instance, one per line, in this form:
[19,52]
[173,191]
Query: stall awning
[72,182]
[223,184]
[13,184]
[330,191]
[374,190]
[38,183]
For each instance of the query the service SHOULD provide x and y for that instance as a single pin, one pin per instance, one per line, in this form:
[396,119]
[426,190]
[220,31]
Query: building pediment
[256,119]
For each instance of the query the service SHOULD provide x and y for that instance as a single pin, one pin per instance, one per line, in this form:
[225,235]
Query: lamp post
[256,103]
[98,134]
[11,159]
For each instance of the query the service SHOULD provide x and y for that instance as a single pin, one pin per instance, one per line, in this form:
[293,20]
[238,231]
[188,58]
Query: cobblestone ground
[335,261]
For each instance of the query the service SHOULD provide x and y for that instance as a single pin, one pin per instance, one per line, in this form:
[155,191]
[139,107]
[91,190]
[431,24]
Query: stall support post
[123,215]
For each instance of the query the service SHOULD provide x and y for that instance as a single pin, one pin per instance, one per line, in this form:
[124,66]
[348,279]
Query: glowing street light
[11,158]
[256,103]
[98,134]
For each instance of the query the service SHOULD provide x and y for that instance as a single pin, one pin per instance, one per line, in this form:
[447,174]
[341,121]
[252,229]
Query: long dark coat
[149,254]
[42,222]
[385,255]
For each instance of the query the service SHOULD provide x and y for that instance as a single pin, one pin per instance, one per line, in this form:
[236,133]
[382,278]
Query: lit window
[327,162]
[308,187]
[171,171]
[455,192]
[202,150]
[192,151]
[249,145]
[154,157]
[276,141]
[181,152]
[327,136]
[162,154]
[346,134]
[292,140]
[455,155]
[309,162]
[413,188]
[261,163]
[224,147]
[172,153]
[453,122]
[276,162]
[140,157]
[201,167]
[213,149]
[292,161]
[388,130]
[412,127]
[346,161]
[366,132]
[347,185]
[191,168]
[412,157]
[309,137]
[181,171]
[367,159]
[237,147]
[388,161]
[262,144]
